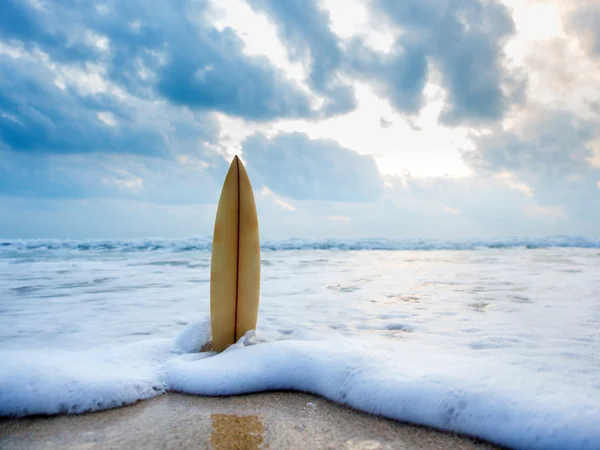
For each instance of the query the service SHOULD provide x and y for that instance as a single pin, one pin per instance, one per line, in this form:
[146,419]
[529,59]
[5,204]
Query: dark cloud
[67,125]
[168,50]
[304,27]
[295,166]
[20,20]
[213,80]
[172,51]
[39,116]
[54,143]
[399,76]
[464,39]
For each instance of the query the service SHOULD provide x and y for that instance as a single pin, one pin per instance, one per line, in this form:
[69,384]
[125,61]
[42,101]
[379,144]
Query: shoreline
[275,420]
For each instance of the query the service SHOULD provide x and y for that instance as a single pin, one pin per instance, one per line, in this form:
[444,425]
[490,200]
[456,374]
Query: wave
[204,244]
[435,387]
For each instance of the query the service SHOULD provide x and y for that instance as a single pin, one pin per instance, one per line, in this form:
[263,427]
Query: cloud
[102,219]
[127,114]
[583,21]
[549,144]
[412,208]
[169,50]
[68,131]
[550,156]
[185,180]
[399,75]
[304,27]
[293,165]
[38,115]
[464,41]
[487,205]
[218,78]
[442,208]
[22,21]
[383,123]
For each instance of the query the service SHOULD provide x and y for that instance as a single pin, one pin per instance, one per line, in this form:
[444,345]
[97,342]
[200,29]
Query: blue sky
[436,118]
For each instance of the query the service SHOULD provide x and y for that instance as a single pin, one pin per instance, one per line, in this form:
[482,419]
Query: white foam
[502,344]
[42,382]
[407,381]
[193,337]
[435,388]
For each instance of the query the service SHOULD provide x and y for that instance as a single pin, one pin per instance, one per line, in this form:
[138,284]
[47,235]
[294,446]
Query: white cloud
[108,118]
[352,18]
[284,204]
[258,33]
[510,180]
[11,117]
[188,160]
[97,40]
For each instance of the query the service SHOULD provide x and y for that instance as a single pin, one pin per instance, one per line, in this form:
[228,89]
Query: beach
[497,340]
[278,420]
[300,224]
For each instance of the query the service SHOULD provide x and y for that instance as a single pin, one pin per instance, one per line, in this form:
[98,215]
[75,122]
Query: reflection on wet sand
[230,431]
[273,420]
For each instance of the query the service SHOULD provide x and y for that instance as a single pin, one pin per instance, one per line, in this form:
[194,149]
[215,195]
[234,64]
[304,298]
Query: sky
[354,118]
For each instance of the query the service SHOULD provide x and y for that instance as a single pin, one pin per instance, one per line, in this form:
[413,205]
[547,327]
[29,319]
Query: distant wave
[8,247]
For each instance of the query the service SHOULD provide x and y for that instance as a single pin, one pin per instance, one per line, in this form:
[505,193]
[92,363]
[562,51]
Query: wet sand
[281,420]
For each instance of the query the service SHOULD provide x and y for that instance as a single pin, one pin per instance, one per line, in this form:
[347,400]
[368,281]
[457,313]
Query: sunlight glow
[419,145]
[258,33]
[350,19]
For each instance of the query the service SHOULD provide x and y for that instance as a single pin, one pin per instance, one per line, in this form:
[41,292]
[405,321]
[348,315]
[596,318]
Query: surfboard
[235,261]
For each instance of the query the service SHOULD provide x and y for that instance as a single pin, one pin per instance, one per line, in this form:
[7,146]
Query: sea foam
[501,344]
[71,382]
[404,382]
[477,396]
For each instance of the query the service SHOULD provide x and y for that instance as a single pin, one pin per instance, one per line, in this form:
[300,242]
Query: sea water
[495,339]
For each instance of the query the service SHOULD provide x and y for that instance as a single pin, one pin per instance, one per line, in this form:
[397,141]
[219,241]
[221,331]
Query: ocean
[498,339]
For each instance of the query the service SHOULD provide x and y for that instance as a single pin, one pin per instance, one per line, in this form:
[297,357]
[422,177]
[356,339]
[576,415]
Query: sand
[282,420]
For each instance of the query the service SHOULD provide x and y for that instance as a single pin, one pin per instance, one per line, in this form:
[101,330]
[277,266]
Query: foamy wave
[428,386]
[8,247]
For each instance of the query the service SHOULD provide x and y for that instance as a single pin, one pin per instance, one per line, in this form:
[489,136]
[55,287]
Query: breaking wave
[8,247]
